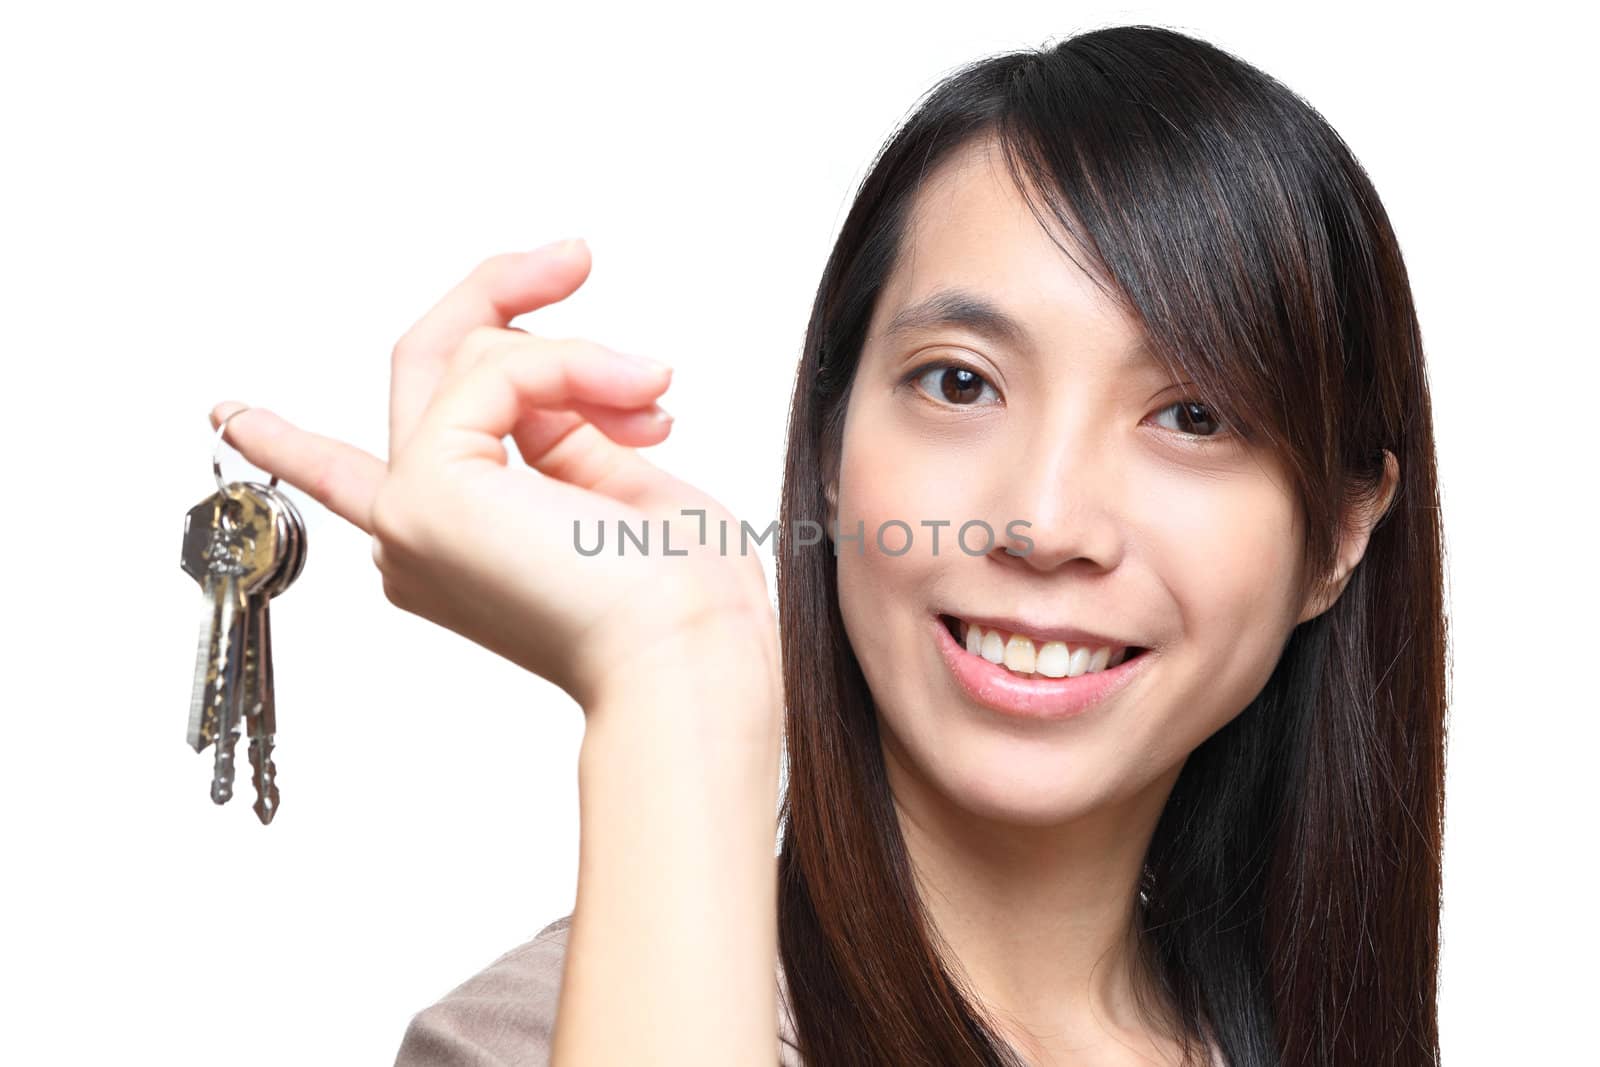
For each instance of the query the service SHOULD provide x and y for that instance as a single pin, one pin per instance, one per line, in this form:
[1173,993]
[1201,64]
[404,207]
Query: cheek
[887,474]
[888,488]
[1227,553]
[885,481]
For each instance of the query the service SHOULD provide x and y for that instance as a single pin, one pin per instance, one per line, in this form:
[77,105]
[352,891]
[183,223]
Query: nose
[1065,489]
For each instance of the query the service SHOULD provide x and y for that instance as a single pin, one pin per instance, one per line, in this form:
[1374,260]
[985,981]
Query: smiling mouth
[1018,654]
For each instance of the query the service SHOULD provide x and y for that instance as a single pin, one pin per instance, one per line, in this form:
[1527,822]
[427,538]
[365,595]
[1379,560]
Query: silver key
[254,531]
[207,559]
[256,636]
[260,710]
[269,713]
[231,667]
[242,549]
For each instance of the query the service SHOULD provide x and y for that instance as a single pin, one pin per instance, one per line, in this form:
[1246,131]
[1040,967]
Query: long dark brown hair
[1290,897]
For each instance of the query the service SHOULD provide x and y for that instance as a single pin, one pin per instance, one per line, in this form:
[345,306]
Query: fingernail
[643,362]
[557,248]
[224,409]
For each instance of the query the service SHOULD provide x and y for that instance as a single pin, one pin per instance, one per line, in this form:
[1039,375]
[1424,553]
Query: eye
[953,383]
[1195,419]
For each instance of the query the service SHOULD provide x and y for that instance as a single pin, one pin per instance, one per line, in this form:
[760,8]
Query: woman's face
[1147,526]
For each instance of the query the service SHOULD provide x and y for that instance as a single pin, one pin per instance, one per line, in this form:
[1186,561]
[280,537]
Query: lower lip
[1000,690]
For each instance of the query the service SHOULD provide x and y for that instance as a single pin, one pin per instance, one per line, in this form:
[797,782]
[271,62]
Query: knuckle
[400,354]
[380,558]
[323,479]
[476,345]
[393,527]
[516,361]
[504,354]
[495,264]
[581,349]
[393,593]
[482,337]
[498,350]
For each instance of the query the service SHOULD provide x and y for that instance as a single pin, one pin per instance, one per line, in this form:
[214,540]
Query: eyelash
[1223,429]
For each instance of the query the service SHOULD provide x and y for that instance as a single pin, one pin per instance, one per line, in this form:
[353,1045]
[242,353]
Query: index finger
[497,291]
[340,476]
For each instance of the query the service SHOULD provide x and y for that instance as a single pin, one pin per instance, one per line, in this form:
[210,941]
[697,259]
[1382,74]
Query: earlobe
[1357,529]
[1391,482]
[1386,496]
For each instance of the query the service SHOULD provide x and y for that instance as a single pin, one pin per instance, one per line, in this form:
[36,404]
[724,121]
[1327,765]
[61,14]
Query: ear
[831,492]
[1358,523]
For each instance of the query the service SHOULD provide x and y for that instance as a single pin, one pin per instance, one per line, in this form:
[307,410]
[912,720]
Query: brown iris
[1192,416]
[960,385]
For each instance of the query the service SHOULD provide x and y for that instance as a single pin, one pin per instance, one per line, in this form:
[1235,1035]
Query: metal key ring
[216,453]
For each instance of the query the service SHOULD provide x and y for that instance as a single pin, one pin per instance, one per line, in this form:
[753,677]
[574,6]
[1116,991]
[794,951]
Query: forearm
[672,951]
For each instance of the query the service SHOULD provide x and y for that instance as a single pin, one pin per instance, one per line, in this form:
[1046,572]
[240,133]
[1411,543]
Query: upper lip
[1070,635]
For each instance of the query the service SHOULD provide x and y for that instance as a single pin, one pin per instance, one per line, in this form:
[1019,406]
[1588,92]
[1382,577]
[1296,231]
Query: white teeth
[1052,659]
[1019,654]
[1080,661]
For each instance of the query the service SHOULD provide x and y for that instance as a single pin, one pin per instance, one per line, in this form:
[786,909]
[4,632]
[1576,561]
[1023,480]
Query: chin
[1004,777]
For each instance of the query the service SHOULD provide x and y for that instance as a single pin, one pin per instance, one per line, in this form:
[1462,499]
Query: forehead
[971,230]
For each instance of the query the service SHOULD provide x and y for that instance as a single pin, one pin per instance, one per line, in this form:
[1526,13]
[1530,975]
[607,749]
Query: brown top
[503,1015]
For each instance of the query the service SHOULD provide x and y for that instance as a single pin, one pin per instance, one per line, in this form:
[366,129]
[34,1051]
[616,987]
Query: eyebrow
[965,308]
[959,307]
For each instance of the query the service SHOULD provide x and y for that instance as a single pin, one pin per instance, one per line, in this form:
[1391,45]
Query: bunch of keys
[244,544]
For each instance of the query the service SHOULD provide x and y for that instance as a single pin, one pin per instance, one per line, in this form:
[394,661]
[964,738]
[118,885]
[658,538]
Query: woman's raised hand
[485,546]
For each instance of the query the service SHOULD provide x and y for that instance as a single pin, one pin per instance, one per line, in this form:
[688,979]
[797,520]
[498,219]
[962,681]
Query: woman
[1150,773]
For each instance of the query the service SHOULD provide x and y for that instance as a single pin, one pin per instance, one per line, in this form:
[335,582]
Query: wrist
[702,702]
[717,680]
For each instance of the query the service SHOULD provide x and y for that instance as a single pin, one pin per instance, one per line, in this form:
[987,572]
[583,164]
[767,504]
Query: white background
[208,202]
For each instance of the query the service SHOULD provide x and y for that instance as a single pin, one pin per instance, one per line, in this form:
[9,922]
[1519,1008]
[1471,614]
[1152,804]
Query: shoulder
[501,1016]
[505,1014]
